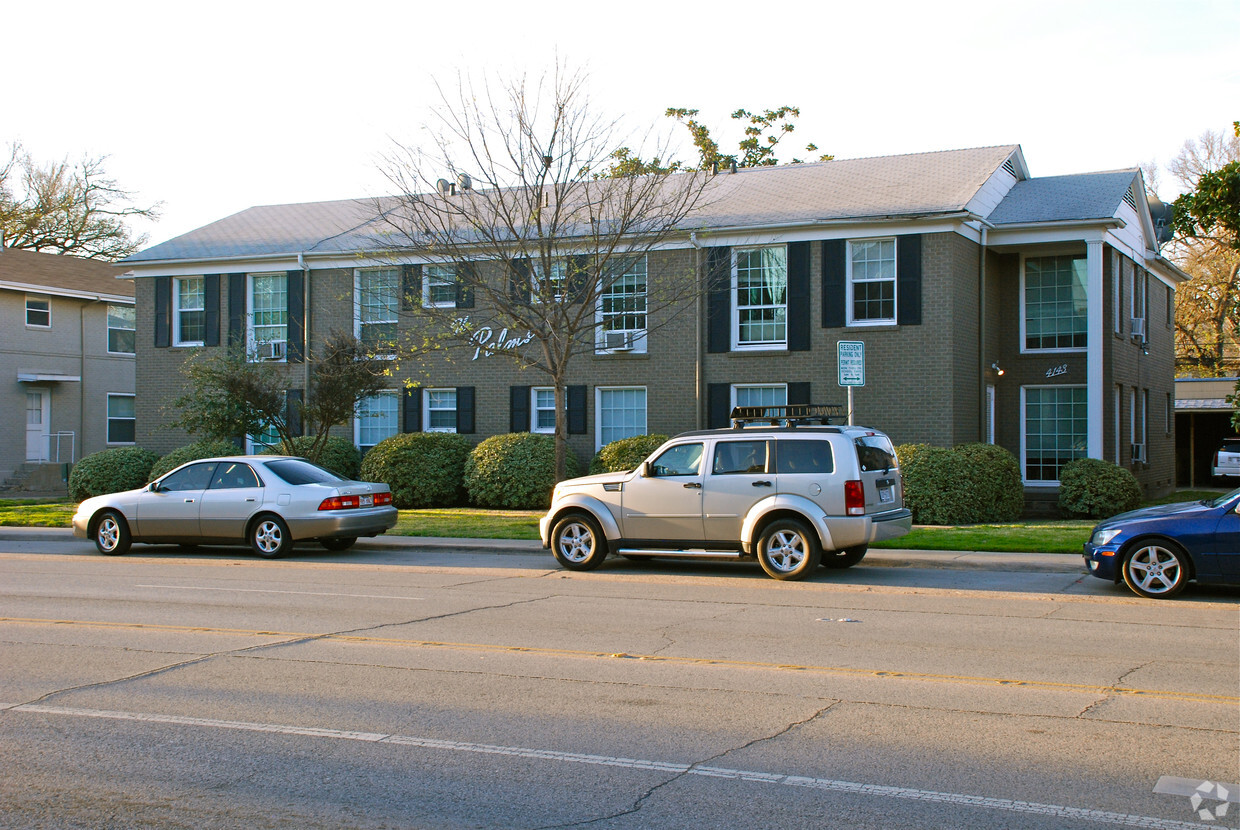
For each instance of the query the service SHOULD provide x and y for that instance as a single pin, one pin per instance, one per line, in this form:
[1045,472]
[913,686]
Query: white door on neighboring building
[38,417]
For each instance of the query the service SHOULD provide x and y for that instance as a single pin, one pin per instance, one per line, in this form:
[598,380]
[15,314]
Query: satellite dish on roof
[464,181]
[443,186]
[1160,212]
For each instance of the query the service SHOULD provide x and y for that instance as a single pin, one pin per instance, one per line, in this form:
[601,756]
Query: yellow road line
[651,658]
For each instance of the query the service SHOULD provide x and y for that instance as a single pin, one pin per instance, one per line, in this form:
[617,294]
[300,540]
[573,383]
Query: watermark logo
[1209,791]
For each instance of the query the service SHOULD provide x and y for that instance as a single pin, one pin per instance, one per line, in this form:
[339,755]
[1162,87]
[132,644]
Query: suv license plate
[885,495]
[365,501]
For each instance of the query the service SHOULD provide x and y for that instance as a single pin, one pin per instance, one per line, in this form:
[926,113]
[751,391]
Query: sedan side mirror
[645,470]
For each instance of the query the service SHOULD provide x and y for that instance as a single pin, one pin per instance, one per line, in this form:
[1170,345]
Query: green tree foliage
[231,396]
[626,453]
[968,484]
[63,208]
[337,454]
[514,471]
[207,448]
[344,373]
[422,469]
[1096,489]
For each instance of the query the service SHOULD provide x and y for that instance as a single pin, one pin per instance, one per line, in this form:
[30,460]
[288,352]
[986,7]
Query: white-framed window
[1118,396]
[871,281]
[39,311]
[1053,304]
[1136,293]
[620,412]
[189,311]
[122,421]
[542,409]
[1170,415]
[122,336]
[268,317]
[990,413]
[622,310]
[760,313]
[439,410]
[554,285]
[438,286]
[264,439]
[759,394]
[1055,426]
[1117,310]
[378,417]
[376,303]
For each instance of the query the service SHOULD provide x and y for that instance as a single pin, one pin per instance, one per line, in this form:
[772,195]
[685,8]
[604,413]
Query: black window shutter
[163,312]
[465,410]
[576,410]
[519,408]
[908,280]
[834,293]
[211,292]
[296,285]
[798,296]
[798,393]
[411,414]
[466,279]
[519,281]
[236,309]
[292,412]
[410,287]
[578,287]
[719,299]
[719,403]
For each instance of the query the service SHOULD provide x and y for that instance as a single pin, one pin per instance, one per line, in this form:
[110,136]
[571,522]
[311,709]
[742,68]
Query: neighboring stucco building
[67,359]
[1032,312]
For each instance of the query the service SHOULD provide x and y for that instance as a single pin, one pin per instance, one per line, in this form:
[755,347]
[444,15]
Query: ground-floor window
[377,418]
[439,414]
[542,408]
[1056,425]
[266,438]
[759,394]
[621,413]
[121,419]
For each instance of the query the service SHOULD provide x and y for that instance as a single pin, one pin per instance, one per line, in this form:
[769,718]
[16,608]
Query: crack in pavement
[1110,691]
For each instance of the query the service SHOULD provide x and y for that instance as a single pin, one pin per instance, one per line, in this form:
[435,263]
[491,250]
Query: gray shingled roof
[916,184]
[60,272]
[1064,198]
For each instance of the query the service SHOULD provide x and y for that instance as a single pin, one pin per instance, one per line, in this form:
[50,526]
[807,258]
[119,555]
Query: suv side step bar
[699,554]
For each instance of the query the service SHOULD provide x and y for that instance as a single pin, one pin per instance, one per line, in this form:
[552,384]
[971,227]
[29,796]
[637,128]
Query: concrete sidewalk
[940,559]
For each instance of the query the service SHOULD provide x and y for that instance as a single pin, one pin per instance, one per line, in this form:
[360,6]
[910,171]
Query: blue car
[1157,550]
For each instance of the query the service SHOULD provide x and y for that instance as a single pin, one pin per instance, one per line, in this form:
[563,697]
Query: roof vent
[1010,166]
[1129,199]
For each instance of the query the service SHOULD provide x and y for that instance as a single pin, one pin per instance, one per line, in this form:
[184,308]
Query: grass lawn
[1029,536]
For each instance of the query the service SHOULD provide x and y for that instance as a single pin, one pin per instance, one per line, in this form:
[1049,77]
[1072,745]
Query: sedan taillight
[352,502]
[382,499]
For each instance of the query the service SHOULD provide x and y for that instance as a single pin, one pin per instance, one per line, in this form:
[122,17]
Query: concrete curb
[936,559]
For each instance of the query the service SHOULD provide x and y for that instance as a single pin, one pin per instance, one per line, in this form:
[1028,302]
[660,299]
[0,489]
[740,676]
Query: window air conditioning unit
[1138,453]
[271,350]
[1138,328]
[619,341]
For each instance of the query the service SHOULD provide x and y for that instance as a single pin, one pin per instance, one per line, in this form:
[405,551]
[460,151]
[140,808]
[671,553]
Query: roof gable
[54,272]
[1078,197]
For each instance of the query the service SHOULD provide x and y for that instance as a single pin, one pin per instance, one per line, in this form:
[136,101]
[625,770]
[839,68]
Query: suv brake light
[854,498]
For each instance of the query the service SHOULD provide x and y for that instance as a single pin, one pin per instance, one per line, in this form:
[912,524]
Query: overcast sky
[211,108]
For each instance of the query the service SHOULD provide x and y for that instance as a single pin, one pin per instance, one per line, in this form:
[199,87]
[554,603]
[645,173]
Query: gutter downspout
[305,331]
[983,361]
[698,300]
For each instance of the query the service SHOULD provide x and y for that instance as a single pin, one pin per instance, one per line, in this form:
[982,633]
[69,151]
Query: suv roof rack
[792,415]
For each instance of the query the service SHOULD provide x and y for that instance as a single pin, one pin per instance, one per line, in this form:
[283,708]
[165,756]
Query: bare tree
[515,199]
[64,208]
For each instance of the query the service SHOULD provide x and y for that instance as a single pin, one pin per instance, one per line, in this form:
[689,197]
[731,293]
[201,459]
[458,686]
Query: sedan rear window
[296,471]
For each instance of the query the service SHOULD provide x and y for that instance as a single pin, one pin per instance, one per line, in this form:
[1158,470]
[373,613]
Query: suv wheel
[788,550]
[577,543]
[844,557]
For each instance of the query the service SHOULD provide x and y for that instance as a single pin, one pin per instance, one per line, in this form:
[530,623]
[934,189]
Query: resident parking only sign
[852,362]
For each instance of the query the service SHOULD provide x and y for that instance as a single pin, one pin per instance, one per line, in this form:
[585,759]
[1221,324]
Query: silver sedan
[267,501]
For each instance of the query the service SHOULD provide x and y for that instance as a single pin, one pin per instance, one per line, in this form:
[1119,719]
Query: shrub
[206,448]
[516,471]
[968,484]
[338,454]
[626,453]
[111,471]
[996,489]
[423,469]
[1097,489]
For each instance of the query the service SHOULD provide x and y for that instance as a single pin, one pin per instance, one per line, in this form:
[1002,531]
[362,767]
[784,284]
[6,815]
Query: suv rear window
[1230,445]
[812,457]
[875,452]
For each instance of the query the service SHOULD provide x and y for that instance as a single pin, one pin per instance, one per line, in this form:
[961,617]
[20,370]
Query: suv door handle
[761,484]
[693,485]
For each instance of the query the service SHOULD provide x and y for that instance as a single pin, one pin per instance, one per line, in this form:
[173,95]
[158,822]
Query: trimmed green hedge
[423,469]
[1096,489]
[968,484]
[514,471]
[626,453]
[111,471]
[206,448]
[338,454]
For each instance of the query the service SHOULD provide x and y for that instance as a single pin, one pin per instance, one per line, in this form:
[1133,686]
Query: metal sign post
[850,355]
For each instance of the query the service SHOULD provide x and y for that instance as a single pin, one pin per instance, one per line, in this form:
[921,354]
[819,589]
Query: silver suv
[1227,459]
[775,487]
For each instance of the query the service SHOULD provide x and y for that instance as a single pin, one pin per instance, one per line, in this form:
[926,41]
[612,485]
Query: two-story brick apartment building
[67,359]
[1032,312]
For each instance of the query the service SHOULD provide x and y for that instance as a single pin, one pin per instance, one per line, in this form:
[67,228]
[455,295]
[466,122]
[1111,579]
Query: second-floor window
[268,310]
[1054,303]
[39,311]
[377,292]
[622,310]
[438,286]
[761,279]
[189,319]
[121,335]
[872,281]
